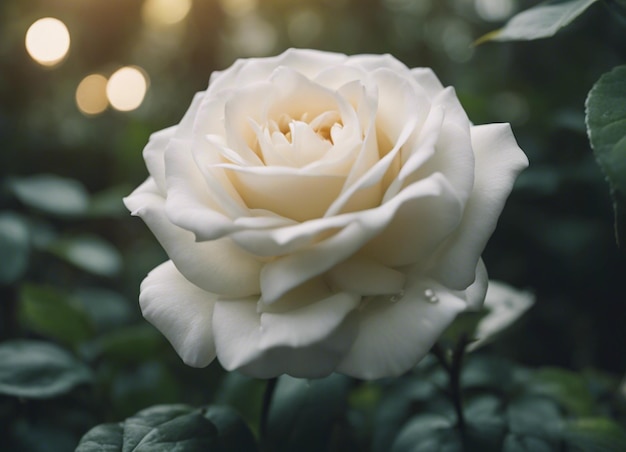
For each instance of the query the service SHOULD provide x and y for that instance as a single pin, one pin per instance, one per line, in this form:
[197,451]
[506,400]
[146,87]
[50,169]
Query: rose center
[323,125]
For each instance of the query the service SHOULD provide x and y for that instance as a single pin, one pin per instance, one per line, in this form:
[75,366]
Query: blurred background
[84,83]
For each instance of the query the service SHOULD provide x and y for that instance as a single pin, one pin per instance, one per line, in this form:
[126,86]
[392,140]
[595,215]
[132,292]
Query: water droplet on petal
[431,296]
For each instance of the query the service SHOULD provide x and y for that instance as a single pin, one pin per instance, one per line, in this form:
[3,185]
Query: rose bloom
[322,213]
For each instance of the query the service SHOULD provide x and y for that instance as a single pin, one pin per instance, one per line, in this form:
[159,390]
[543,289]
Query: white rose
[322,213]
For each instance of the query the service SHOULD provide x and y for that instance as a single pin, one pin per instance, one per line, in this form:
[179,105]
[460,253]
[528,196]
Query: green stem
[455,380]
[265,407]
[453,368]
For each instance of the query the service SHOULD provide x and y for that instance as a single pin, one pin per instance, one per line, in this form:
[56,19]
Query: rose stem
[453,369]
[455,380]
[265,407]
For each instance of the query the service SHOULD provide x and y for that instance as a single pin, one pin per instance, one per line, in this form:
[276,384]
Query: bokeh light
[127,88]
[495,10]
[304,26]
[254,36]
[47,41]
[165,12]
[91,94]
[238,8]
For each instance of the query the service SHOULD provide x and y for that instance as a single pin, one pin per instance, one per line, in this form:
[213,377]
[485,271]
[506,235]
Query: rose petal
[245,71]
[397,98]
[498,162]
[454,156]
[426,78]
[285,191]
[365,276]
[305,342]
[373,62]
[153,155]
[285,240]
[281,275]
[190,204]
[394,336]
[218,266]
[181,311]
[475,293]
[418,227]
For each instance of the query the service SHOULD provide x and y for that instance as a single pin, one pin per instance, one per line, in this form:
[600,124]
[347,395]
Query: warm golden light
[91,94]
[48,41]
[126,88]
[165,12]
[237,8]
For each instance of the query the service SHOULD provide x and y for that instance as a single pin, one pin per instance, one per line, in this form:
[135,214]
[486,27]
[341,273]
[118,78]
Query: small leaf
[606,127]
[102,438]
[486,425]
[303,412]
[535,416]
[521,443]
[594,434]
[234,435]
[428,432]
[108,203]
[34,369]
[129,345]
[173,428]
[169,427]
[51,194]
[106,309]
[565,387]
[541,21]
[53,314]
[14,247]
[504,306]
[244,394]
[89,253]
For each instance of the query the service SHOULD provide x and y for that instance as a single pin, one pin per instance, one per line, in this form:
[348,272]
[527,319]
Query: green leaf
[102,438]
[108,203]
[179,428]
[244,394]
[403,400]
[303,412]
[51,194]
[14,247]
[106,309]
[51,313]
[521,443]
[89,253]
[34,369]
[606,127]
[594,435]
[132,344]
[535,416]
[541,21]
[567,388]
[486,424]
[233,433]
[167,428]
[428,432]
[504,305]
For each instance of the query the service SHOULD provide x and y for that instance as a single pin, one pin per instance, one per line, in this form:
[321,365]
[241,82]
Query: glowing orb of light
[126,88]
[91,94]
[47,41]
[165,12]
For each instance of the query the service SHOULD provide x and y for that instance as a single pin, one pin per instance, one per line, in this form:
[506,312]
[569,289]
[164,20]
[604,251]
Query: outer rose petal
[394,336]
[181,311]
[218,266]
[498,162]
[246,71]
[304,342]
